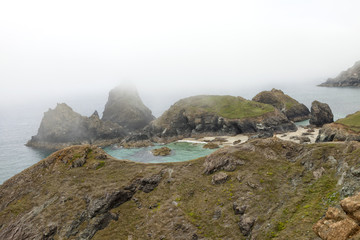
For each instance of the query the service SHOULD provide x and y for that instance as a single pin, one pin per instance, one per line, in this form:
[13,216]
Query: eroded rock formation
[61,127]
[126,108]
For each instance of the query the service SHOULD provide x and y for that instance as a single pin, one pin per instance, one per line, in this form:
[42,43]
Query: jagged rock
[125,108]
[293,110]
[239,209]
[348,78]
[62,127]
[320,114]
[246,224]
[336,132]
[219,178]
[163,151]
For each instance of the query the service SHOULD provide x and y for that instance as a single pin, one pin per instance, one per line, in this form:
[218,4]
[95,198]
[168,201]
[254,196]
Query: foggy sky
[50,48]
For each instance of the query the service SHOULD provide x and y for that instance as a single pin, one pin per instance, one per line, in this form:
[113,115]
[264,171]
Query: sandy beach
[302,135]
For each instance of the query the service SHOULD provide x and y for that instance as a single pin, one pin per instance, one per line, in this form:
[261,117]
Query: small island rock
[320,114]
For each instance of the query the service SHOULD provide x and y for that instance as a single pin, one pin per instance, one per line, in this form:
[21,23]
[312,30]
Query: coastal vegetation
[272,189]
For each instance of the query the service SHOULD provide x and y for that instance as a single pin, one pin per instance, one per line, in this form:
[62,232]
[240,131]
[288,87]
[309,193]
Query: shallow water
[180,151]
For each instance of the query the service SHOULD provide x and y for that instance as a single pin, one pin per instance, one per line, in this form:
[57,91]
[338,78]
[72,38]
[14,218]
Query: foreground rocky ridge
[348,78]
[263,189]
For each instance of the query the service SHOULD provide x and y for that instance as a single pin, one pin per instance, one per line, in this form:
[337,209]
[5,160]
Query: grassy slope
[283,195]
[351,121]
[224,106]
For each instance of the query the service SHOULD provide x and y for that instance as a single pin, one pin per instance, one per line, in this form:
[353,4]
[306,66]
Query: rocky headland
[261,189]
[216,115]
[348,78]
[292,109]
[61,127]
[124,113]
[345,129]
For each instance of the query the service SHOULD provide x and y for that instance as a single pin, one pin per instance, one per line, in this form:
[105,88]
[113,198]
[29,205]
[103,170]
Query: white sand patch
[301,132]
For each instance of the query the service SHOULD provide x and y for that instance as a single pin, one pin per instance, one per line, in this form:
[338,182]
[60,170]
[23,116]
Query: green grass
[352,121]
[225,106]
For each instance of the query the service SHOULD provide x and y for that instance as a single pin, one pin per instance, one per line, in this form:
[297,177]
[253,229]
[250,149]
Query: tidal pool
[180,151]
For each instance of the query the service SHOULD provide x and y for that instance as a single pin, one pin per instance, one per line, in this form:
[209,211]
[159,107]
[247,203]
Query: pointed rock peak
[95,115]
[126,108]
[63,106]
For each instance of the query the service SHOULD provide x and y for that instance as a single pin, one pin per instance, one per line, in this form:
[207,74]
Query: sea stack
[61,127]
[125,107]
[320,114]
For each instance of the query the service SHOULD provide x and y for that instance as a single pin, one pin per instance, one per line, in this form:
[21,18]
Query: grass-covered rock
[294,110]
[273,190]
[218,115]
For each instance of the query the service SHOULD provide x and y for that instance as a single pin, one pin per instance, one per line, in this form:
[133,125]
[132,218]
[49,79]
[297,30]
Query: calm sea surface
[18,124]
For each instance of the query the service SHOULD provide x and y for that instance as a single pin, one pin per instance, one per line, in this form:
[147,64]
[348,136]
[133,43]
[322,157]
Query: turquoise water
[180,151]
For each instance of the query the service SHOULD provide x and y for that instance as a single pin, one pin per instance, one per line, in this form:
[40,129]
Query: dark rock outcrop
[125,108]
[320,114]
[336,132]
[293,110]
[348,78]
[62,127]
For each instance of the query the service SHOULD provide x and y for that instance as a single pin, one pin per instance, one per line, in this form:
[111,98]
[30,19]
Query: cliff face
[125,108]
[62,127]
[348,78]
[218,115]
[345,129]
[293,110]
[263,189]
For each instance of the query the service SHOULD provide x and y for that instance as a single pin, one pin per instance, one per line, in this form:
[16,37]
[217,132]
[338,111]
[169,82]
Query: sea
[18,123]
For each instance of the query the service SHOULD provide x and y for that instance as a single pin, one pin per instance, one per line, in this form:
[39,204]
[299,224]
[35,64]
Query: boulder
[211,145]
[219,178]
[163,151]
[293,110]
[320,114]
[125,108]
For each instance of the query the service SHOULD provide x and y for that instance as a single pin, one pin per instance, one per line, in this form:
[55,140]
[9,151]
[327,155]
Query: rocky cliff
[218,115]
[262,189]
[61,127]
[346,129]
[125,108]
[292,109]
[348,78]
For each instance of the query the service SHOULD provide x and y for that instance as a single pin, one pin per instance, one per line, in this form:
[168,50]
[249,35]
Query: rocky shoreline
[348,78]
